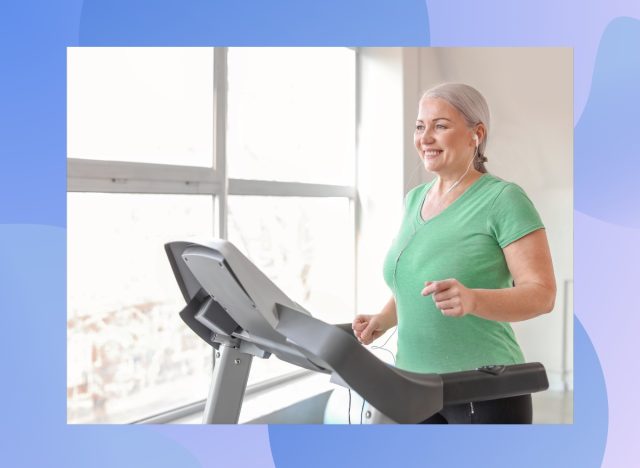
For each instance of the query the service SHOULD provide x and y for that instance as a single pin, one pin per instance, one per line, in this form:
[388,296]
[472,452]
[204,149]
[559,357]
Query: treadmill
[240,312]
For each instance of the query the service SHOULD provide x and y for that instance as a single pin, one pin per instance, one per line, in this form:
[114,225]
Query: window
[148,105]
[126,350]
[290,115]
[254,145]
[304,245]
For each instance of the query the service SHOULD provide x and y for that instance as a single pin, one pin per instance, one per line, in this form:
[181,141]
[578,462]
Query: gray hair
[472,105]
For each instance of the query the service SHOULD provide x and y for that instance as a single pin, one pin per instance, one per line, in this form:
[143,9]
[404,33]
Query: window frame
[91,176]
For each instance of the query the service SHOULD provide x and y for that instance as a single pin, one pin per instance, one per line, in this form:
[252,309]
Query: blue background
[606,43]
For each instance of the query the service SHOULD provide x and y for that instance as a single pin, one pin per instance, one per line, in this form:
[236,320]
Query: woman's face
[442,138]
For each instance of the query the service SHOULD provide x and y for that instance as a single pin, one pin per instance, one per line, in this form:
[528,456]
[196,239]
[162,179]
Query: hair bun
[479,161]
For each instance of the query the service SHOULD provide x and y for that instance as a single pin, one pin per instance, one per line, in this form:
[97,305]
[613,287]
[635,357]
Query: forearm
[388,314]
[515,304]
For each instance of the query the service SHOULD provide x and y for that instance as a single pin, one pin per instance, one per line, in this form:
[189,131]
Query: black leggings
[513,410]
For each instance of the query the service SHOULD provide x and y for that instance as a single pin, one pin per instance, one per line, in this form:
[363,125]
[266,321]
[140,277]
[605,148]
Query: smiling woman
[465,239]
[461,108]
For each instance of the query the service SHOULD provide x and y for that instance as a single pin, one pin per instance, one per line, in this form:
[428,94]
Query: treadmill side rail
[493,382]
[404,398]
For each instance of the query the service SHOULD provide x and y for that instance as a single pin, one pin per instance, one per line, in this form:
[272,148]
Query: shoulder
[502,191]
[511,213]
[497,184]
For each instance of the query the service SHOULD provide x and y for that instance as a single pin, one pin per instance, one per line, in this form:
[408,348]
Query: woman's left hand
[451,297]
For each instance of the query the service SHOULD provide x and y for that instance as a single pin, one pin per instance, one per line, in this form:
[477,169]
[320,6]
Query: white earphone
[475,137]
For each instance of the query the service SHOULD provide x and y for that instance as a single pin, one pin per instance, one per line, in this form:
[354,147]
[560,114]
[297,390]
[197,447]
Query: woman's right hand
[367,328]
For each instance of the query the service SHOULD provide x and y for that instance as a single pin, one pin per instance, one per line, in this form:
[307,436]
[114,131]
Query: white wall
[380,168]
[529,91]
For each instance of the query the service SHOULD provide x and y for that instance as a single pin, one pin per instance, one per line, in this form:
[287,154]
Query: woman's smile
[431,153]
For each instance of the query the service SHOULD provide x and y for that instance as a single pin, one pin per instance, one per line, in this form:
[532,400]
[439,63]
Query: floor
[553,407]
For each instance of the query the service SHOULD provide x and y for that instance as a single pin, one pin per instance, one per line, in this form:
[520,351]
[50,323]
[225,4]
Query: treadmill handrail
[404,397]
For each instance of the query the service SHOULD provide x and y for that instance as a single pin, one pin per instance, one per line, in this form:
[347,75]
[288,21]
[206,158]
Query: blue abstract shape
[272,23]
[606,279]
[580,444]
[33,368]
[607,147]
[33,86]
[213,443]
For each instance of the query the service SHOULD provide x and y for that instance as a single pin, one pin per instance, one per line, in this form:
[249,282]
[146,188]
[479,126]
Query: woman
[471,255]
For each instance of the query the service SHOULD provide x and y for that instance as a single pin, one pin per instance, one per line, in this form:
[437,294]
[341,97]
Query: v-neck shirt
[464,241]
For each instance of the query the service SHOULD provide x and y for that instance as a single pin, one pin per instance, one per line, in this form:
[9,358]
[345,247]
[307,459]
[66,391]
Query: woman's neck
[447,183]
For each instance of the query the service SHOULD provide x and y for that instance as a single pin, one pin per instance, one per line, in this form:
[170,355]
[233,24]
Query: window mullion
[288,189]
[93,169]
[219,135]
[127,177]
[141,186]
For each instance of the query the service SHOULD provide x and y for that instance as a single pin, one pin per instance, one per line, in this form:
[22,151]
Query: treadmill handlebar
[403,397]
[486,382]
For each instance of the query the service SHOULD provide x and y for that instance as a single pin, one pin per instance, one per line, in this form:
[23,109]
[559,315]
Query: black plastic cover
[492,382]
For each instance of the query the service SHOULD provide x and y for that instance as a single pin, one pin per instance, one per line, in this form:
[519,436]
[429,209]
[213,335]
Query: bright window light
[291,114]
[141,104]
[128,353]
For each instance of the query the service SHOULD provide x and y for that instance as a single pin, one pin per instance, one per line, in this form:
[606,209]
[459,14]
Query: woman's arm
[388,314]
[529,262]
[370,327]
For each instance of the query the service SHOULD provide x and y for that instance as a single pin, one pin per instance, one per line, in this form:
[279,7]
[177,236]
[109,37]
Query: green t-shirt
[464,242]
